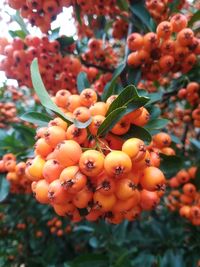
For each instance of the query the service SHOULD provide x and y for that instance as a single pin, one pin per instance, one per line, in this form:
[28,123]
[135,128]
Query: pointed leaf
[82,81]
[36,118]
[108,90]
[138,132]
[170,165]
[156,124]
[4,187]
[111,120]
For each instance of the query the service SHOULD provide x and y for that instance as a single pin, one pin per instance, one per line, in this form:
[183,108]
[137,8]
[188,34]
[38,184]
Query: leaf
[19,33]
[54,34]
[134,75]
[138,132]
[77,10]
[154,97]
[170,165]
[122,4]
[140,11]
[36,118]
[195,143]
[82,81]
[90,260]
[173,6]
[41,92]
[4,187]
[156,124]
[108,90]
[154,112]
[65,41]
[128,97]
[20,21]
[111,120]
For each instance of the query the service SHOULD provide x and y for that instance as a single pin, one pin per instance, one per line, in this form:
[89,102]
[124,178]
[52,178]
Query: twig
[87,64]
[184,137]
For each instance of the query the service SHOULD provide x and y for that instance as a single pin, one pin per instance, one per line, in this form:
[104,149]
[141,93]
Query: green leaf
[41,92]
[77,10]
[156,124]
[195,143]
[128,97]
[19,33]
[134,75]
[82,81]
[111,120]
[65,41]
[4,187]
[122,4]
[138,132]
[155,97]
[20,21]
[173,6]
[140,11]
[90,260]
[36,118]
[109,89]
[154,112]
[170,165]
[54,34]
[194,18]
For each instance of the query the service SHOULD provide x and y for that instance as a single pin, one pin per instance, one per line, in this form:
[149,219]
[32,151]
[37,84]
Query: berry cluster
[74,169]
[100,54]
[57,71]
[187,198]
[173,48]
[57,227]
[15,174]
[159,10]
[7,114]
[40,13]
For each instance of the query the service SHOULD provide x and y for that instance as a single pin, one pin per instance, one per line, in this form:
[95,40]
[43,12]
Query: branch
[87,64]
[184,137]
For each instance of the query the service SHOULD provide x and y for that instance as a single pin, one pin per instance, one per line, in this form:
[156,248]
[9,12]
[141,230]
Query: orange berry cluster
[7,113]
[187,199]
[56,227]
[190,93]
[159,10]
[15,174]
[40,13]
[74,169]
[100,54]
[120,28]
[173,48]
[57,71]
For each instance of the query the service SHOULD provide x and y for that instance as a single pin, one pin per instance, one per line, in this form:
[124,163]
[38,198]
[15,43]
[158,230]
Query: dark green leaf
[77,10]
[90,260]
[123,5]
[196,181]
[4,187]
[134,76]
[154,112]
[111,120]
[170,165]
[138,132]
[65,41]
[82,82]
[128,97]
[140,11]
[54,33]
[108,90]
[156,124]
[37,118]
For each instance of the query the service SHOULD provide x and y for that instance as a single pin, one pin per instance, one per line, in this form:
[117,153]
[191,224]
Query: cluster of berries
[185,196]
[81,174]
[15,174]
[172,49]
[159,10]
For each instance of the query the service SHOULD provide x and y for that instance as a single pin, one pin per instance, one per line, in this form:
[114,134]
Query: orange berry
[76,134]
[52,170]
[104,202]
[91,162]
[125,189]
[88,97]
[41,191]
[117,163]
[152,179]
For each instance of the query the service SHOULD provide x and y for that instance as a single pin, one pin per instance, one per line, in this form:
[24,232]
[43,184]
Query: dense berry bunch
[185,197]
[74,169]
[15,174]
[173,48]
[40,13]
[7,113]
[159,10]
[100,54]
[57,71]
